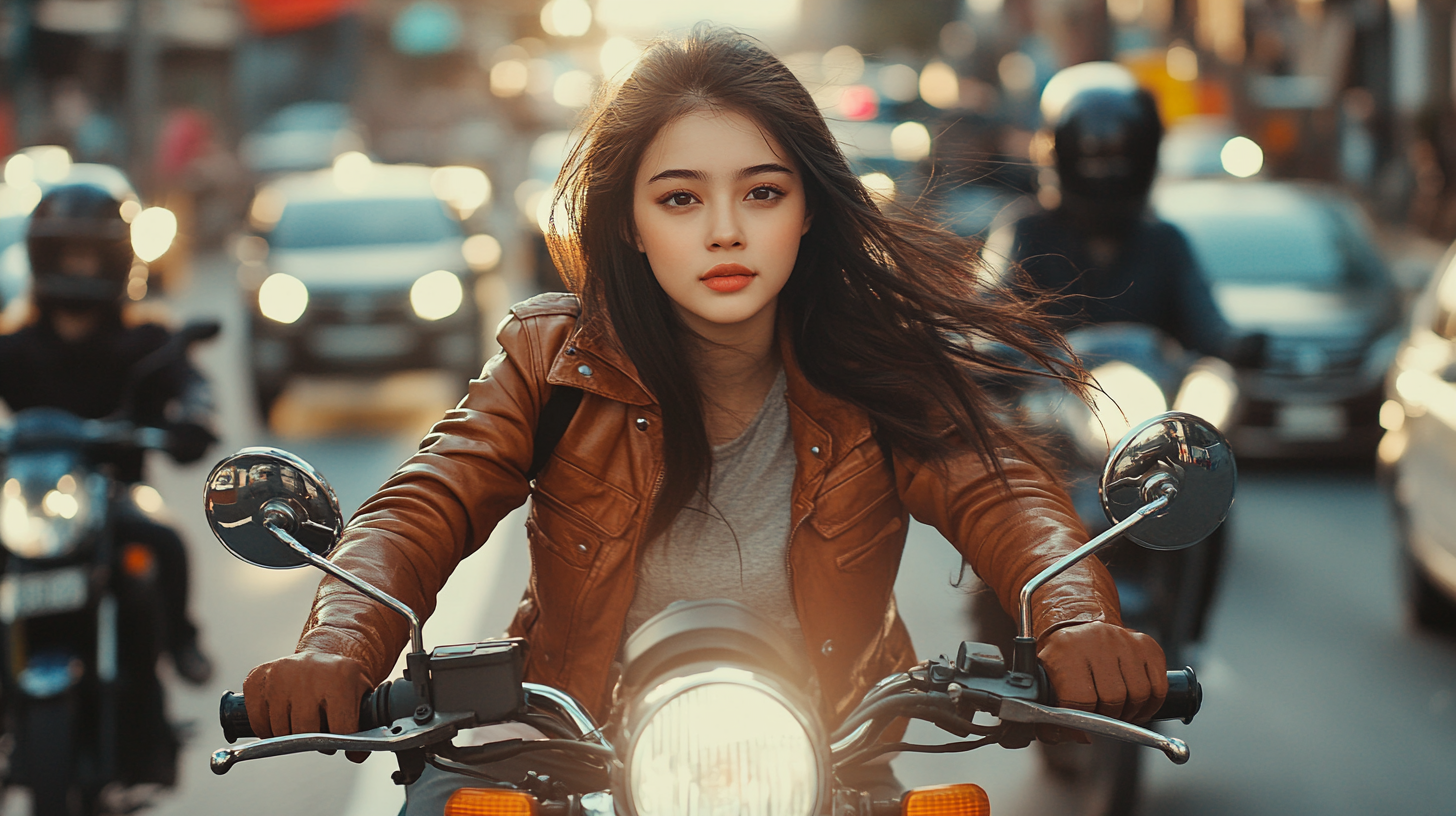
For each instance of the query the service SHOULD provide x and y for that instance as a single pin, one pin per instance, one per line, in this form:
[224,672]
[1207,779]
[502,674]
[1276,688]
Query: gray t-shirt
[734,543]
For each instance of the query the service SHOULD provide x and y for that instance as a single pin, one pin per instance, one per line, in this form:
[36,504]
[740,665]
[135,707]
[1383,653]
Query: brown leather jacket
[592,499]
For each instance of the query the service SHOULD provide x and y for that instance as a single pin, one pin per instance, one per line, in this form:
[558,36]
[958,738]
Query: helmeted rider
[78,353]
[1100,247]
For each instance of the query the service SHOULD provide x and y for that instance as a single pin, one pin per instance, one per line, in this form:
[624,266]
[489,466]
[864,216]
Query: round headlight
[437,295]
[720,742]
[1128,397]
[282,298]
[50,525]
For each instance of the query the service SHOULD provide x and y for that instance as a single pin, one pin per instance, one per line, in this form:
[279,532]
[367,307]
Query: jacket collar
[594,361]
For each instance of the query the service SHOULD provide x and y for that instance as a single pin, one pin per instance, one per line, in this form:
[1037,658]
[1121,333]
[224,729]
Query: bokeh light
[1242,157]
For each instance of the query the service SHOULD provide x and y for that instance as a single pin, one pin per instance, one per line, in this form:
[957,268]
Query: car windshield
[353,222]
[1285,240]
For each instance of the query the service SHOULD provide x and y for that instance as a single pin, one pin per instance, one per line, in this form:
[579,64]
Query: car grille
[360,308]
[1306,357]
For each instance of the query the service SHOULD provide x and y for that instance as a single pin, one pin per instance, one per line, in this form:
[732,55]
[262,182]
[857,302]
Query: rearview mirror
[1174,454]
[256,485]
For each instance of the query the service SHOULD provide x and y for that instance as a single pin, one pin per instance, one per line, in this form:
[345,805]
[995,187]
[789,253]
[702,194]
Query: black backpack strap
[556,414]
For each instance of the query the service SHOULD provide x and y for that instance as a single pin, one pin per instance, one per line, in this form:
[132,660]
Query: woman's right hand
[306,692]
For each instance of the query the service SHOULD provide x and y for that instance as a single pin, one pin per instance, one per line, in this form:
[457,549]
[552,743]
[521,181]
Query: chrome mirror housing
[1177,455]
[258,487]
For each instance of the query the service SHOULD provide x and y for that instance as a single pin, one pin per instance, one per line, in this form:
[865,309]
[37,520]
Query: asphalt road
[1319,698]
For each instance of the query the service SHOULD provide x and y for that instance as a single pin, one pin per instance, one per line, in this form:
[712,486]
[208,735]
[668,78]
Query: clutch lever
[1024,711]
[402,735]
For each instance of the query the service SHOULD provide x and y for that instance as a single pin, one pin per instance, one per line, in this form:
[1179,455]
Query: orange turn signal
[487,802]
[946,800]
[137,560]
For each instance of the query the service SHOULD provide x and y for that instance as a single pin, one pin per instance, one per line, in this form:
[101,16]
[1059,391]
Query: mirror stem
[417,634]
[1023,628]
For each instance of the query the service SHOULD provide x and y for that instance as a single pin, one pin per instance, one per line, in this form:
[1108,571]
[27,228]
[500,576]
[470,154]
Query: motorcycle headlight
[711,729]
[1210,391]
[720,743]
[48,525]
[1127,397]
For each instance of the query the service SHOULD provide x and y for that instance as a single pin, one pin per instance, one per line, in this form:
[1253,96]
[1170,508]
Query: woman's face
[719,210]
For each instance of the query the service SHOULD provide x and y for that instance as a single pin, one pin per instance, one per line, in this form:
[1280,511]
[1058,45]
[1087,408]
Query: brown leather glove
[305,693]
[1106,669]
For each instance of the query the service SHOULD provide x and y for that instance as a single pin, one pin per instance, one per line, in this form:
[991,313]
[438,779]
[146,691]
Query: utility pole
[143,91]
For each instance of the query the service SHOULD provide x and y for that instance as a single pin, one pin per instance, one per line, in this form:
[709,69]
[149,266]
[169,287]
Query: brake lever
[402,735]
[1024,711]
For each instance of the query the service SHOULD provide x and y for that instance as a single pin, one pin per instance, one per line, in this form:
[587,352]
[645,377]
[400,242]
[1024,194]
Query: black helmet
[1105,131]
[78,217]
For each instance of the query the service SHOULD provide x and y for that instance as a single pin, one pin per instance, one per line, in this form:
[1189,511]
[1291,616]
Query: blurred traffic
[359,189]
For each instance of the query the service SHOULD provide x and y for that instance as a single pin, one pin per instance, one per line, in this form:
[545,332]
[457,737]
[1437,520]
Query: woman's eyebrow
[698,175]
[759,169]
[691,175]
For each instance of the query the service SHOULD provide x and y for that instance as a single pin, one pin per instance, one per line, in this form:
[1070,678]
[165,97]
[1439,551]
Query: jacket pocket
[575,547]
[570,493]
[852,500]
[856,556]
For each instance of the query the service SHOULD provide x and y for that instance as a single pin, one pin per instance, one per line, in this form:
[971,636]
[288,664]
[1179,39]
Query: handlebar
[392,700]
[382,706]
[1185,697]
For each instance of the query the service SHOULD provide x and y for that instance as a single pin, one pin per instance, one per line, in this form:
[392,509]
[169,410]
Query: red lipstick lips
[728,277]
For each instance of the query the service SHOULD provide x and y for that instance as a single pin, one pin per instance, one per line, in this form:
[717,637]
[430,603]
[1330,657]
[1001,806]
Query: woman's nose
[725,232]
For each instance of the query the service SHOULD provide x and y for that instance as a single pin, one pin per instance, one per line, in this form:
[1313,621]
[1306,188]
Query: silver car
[364,268]
[1417,456]
[1297,263]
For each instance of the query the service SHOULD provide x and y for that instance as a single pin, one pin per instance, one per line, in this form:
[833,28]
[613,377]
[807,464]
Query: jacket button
[814,450]
[571,349]
[827,649]
[584,370]
[581,547]
[641,424]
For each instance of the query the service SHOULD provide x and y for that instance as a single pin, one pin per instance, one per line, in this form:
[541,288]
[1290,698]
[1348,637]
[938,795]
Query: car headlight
[48,525]
[152,233]
[721,743]
[437,295]
[282,298]
[711,728]
[1127,397]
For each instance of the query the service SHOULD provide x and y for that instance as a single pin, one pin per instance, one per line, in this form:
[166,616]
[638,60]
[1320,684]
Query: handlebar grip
[233,713]
[381,706]
[1185,696]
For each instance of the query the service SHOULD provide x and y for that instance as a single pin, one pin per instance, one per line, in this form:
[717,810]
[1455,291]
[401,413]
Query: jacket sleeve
[441,504]
[1008,536]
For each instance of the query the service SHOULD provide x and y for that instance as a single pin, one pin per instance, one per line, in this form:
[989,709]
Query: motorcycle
[1141,372]
[708,715]
[80,609]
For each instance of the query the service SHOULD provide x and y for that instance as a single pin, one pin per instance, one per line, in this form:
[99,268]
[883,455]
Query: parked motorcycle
[1141,373]
[80,609]
[709,718]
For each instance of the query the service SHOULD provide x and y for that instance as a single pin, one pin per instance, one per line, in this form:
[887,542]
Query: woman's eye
[764,194]
[678,199]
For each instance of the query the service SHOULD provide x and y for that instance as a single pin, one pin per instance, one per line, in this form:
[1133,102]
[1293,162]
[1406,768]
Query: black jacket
[1155,279]
[90,378]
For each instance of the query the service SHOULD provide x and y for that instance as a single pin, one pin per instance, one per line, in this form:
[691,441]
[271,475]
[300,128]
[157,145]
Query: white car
[365,268]
[1417,456]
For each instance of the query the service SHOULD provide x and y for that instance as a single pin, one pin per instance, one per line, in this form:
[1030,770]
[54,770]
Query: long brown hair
[886,312]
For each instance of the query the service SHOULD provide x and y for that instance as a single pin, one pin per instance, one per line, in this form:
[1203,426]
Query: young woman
[775,376]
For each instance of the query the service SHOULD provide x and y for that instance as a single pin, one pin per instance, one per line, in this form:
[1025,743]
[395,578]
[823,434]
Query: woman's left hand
[1106,669]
